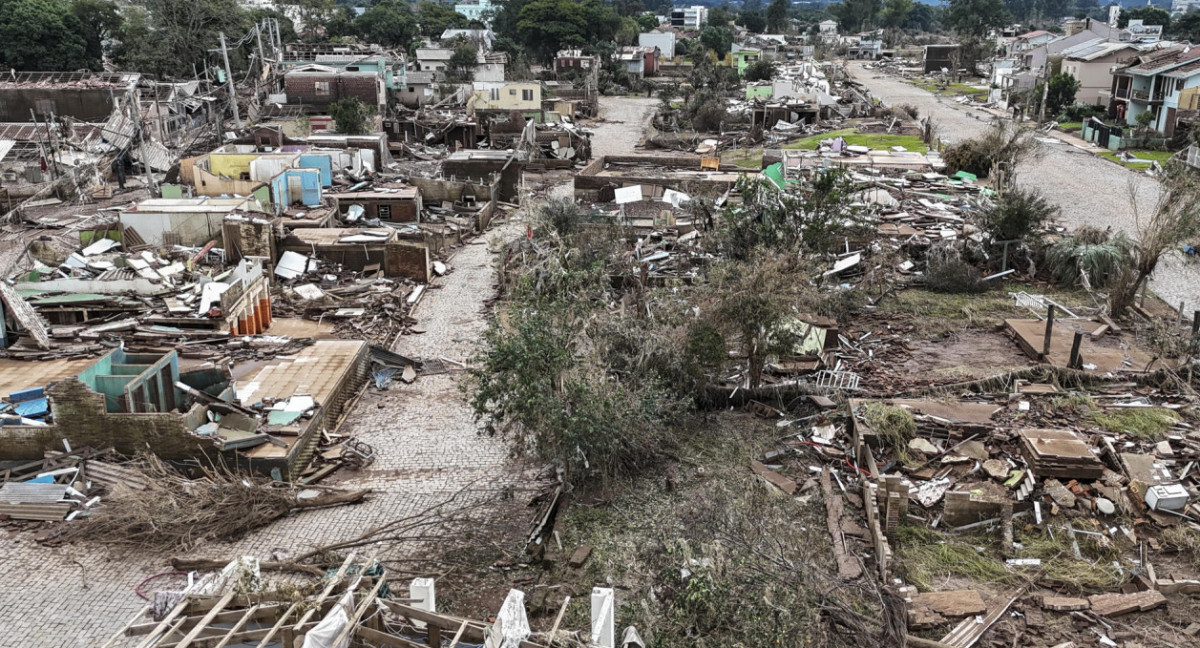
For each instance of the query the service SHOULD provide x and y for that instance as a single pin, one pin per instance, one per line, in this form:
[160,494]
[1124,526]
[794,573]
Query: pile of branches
[175,512]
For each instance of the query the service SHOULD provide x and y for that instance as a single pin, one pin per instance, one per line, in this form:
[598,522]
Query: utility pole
[262,55]
[278,38]
[237,118]
[1045,94]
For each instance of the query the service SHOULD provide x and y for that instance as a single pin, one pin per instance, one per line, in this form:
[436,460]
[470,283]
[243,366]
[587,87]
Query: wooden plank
[362,608]
[458,635]
[333,582]
[123,631]
[191,636]
[238,626]
[380,638]
[164,624]
[261,612]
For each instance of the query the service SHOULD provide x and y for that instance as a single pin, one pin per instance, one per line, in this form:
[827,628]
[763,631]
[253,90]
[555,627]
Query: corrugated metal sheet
[160,158]
[27,493]
[118,130]
[44,512]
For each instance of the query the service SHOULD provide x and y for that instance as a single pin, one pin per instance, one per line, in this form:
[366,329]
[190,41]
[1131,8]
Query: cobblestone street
[424,435]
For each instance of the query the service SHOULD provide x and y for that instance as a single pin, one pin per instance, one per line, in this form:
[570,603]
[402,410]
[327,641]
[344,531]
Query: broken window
[44,106]
[385,212]
[527,95]
[322,88]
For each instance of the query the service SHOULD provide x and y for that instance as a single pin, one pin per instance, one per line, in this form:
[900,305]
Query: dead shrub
[948,272]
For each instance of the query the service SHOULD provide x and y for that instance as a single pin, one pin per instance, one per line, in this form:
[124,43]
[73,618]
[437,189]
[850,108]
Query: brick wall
[407,260]
[303,88]
[80,417]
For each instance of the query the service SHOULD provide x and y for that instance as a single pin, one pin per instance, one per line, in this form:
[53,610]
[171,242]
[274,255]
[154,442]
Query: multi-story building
[693,17]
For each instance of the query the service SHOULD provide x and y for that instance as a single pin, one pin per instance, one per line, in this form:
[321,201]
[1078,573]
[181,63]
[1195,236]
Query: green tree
[753,21]
[1186,27]
[922,17]
[1061,92]
[856,15]
[172,38]
[435,18]
[546,26]
[42,35]
[720,16]
[717,39]
[389,23]
[647,22]
[98,21]
[761,70]
[351,116]
[777,16]
[463,61]
[1148,16]
[895,13]
[975,17]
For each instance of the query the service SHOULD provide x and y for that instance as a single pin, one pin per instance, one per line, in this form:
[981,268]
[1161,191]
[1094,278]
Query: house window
[385,212]
[495,94]
[527,95]
[45,106]
[1178,85]
[512,93]
[321,88]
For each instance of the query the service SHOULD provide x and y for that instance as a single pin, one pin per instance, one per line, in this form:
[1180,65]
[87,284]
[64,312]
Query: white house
[664,41]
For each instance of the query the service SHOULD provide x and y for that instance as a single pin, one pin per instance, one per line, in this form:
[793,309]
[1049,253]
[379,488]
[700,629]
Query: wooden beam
[381,638]
[458,635]
[261,612]
[191,636]
[164,624]
[238,626]
[362,608]
[333,582]
[474,631]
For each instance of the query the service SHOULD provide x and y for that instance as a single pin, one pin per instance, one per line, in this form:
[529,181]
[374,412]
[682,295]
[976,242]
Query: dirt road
[1089,190]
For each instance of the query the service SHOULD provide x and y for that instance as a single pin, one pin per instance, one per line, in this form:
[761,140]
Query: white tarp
[628,194]
[512,626]
[328,630]
[676,198]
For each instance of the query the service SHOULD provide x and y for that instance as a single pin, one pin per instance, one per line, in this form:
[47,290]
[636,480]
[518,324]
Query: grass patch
[943,313]
[928,558]
[1184,540]
[1071,127]
[1155,156]
[895,426]
[1076,402]
[744,158]
[1149,423]
[952,89]
[855,138]
[1093,571]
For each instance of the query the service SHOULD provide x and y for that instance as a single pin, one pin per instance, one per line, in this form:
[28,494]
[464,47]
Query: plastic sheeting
[327,631]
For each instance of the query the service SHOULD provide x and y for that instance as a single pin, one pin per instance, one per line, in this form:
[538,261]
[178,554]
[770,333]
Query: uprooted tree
[1173,219]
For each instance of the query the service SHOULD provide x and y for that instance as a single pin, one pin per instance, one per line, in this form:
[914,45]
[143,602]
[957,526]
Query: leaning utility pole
[237,118]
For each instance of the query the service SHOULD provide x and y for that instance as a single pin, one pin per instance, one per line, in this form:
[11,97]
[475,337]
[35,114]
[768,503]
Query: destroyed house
[268,422]
[483,166]
[180,221]
[401,205]
[315,87]
[356,249]
[83,96]
[599,180]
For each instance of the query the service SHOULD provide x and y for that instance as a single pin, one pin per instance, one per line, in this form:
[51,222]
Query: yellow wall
[510,98]
[208,184]
[231,164]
